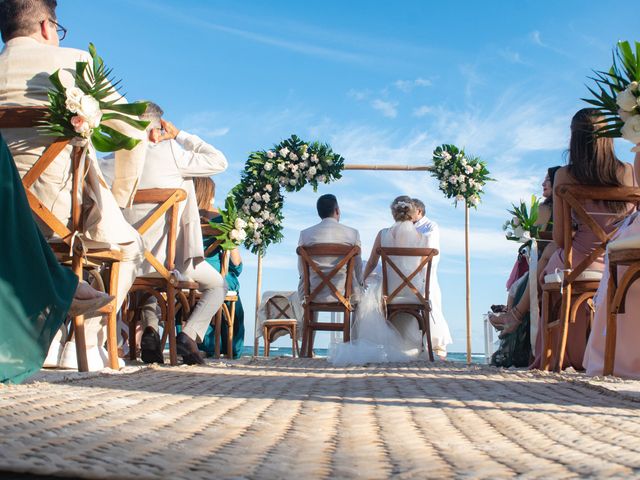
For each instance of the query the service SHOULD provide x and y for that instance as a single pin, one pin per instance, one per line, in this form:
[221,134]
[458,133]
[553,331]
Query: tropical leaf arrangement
[232,228]
[523,224]
[460,177]
[81,110]
[617,94]
[288,166]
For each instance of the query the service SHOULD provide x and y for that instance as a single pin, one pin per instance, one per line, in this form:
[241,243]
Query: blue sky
[382,82]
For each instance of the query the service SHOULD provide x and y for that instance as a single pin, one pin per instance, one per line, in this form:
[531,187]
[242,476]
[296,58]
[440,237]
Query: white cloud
[408,85]
[359,95]
[511,56]
[422,110]
[537,39]
[388,109]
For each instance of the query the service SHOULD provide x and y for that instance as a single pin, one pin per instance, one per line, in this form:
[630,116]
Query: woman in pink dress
[627,359]
[592,162]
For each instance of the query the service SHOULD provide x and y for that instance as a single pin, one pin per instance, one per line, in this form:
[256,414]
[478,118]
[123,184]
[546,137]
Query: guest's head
[153,115]
[420,208]
[327,207]
[547,185]
[30,18]
[205,192]
[403,209]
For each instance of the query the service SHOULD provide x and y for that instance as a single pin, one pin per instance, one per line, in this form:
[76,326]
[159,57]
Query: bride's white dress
[374,339]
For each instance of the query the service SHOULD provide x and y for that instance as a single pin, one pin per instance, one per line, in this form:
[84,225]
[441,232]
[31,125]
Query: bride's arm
[373,258]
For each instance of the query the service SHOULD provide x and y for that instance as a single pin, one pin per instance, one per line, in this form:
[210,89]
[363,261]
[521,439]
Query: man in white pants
[174,157]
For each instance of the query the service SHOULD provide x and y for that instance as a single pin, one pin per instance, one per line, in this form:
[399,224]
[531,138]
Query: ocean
[478,358]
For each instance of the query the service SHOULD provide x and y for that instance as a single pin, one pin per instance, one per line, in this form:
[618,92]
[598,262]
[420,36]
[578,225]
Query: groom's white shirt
[429,229]
[329,230]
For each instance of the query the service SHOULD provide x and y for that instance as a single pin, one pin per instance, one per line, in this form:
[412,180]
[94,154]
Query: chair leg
[133,322]
[81,344]
[305,331]
[427,328]
[112,319]
[292,331]
[217,333]
[565,313]
[612,327]
[545,348]
[267,344]
[346,329]
[230,316]
[170,323]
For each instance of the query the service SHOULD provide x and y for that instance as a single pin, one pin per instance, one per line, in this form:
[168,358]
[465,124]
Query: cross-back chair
[346,256]
[280,319]
[577,286]
[163,283]
[226,313]
[67,249]
[417,304]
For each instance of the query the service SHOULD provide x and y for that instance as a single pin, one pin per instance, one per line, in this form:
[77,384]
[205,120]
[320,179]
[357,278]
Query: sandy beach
[302,418]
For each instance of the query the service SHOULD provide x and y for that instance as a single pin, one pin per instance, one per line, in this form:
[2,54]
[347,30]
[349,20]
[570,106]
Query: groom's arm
[358,260]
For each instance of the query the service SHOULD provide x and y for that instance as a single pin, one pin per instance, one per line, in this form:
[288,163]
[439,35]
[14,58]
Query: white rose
[296,174]
[240,224]
[468,169]
[305,164]
[312,171]
[234,234]
[445,156]
[478,167]
[271,154]
[475,199]
[515,221]
[293,156]
[459,198]
[74,96]
[322,179]
[461,178]
[633,86]
[250,189]
[277,222]
[463,188]
[281,167]
[624,115]
[266,197]
[81,126]
[255,207]
[257,197]
[305,155]
[242,235]
[314,158]
[264,215]
[445,173]
[282,180]
[319,167]
[284,152]
[90,109]
[245,209]
[463,162]
[472,182]
[293,168]
[518,232]
[443,185]
[292,182]
[453,179]
[626,100]
[257,241]
[268,166]
[631,129]
[459,156]
[272,217]
[268,187]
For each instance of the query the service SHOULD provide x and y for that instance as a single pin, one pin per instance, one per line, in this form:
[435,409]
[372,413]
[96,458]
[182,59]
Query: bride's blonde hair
[403,209]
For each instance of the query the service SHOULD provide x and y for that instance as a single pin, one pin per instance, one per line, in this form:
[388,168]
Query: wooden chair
[346,255]
[163,284]
[420,307]
[283,321]
[578,285]
[66,247]
[617,290]
[226,313]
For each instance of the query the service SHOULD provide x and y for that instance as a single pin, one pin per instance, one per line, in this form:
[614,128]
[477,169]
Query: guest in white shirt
[329,230]
[174,157]
[440,335]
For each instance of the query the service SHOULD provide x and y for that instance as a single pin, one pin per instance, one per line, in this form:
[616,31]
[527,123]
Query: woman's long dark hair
[551,173]
[592,160]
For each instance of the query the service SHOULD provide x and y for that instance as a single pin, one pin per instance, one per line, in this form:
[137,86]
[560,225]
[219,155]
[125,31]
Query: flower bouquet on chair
[522,227]
[617,95]
[232,227]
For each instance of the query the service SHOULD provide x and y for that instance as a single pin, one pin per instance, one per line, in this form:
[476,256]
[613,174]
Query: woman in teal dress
[35,291]
[205,192]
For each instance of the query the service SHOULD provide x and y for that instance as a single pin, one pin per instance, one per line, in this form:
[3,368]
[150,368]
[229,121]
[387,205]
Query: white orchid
[268,166]
[446,156]
[255,207]
[271,154]
[626,100]
[265,215]
[266,197]
[257,197]
[468,169]
[293,156]
[284,152]
[281,167]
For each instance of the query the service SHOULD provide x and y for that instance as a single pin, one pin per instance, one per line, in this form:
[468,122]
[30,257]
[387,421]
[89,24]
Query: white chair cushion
[586,276]
[632,241]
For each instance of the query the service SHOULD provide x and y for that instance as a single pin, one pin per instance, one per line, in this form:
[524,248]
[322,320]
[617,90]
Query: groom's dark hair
[419,205]
[327,205]
[21,18]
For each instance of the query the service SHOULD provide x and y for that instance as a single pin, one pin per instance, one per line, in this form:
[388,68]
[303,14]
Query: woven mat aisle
[284,418]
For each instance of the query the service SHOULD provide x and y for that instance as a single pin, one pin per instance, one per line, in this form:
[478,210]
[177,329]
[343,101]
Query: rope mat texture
[302,418]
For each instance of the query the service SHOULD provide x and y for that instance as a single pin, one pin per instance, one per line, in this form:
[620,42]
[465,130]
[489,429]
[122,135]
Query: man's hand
[168,132]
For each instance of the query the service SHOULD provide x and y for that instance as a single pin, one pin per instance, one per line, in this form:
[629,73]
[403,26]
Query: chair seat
[631,242]
[586,276]
[159,282]
[278,322]
[624,256]
[61,250]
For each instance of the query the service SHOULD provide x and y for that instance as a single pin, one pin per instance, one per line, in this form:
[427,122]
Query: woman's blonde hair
[403,209]
[205,191]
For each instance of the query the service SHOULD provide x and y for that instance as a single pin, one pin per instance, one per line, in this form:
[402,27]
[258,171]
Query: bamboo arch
[403,168]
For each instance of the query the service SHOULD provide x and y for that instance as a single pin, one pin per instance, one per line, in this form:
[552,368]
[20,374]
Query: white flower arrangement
[459,177]
[617,95]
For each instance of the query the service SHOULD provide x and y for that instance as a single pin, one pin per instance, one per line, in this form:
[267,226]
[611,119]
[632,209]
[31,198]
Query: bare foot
[84,291]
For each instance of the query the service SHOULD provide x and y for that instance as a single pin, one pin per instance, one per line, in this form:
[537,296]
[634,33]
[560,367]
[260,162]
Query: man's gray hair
[153,114]
[419,204]
[21,18]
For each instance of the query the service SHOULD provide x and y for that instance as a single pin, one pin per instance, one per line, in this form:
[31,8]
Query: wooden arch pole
[258,288]
[468,278]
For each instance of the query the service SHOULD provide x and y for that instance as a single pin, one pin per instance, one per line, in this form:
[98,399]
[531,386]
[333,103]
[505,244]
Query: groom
[425,226]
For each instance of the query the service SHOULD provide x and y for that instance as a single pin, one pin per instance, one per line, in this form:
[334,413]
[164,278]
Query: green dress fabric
[35,291]
[515,347]
[208,344]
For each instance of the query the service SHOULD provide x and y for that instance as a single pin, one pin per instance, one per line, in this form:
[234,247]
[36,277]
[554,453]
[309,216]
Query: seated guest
[514,321]
[36,293]
[205,193]
[627,357]
[174,157]
[592,162]
[31,54]
[329,230]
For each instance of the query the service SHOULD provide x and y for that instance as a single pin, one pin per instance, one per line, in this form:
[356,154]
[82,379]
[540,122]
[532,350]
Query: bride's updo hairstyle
[403,209]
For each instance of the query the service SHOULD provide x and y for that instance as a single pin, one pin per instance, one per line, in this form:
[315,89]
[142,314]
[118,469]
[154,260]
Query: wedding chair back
[67,249]
[280,319]
[410,295]
[163,283]
[315,302]
[227,311]
[578,284]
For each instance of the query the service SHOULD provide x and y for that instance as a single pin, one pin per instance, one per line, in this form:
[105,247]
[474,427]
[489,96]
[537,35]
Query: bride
[374,339]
